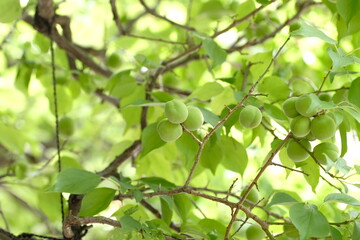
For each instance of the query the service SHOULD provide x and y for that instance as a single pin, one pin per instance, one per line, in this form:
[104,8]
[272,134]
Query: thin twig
[291,169]
[323,81]
[152,12]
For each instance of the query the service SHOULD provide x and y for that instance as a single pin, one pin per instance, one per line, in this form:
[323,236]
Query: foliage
[117,64]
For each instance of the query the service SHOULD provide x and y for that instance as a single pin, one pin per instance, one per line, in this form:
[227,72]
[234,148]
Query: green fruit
[114,60]
[254,233]
[323,127]
[289,107]
[253,196]
[291,231]
[328,149]
[296,152]
[300,126]
[307,105]
[325,97]
[176,111]
[66,126]
[250,117]
[168,131]
[194,120]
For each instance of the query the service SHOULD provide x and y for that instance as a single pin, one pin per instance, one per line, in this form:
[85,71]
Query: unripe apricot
[194,120]
[328,149]
[253,196]
[66,126]
[250,116]
[300,126]
[254,233]
[289,107]
[307,105]
[176,111]
[168,131]
[296,152]
[114,60]
[323,127]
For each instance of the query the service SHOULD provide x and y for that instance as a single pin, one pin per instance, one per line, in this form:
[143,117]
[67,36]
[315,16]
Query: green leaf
[211,156]
[76,181]
[276,88]
[347,8]
[356,231]
[10,10]
[244,9]
[309,221]
[214,51]
[157,183]
[343,198]
[64,100]
[260,62]
[150,139]
[96,200]
[188,148]
[286,161]
[183,205]
[341,59]
[306,30]
[235,156]
[138,196]
[86,83]
[12,139]
[210,117]
[144,103]
[282,198]
[344,29]
[213,227]
[313,170]
[335,234]
[275,112]
[354,96]
[166,211]
[121,84]
[23,77]
[129,224]
[343,133]
[207,91]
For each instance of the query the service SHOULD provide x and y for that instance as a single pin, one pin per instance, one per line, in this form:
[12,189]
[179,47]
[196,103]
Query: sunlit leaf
[76,181]
[347,8]
[214,51]
[311,168]
[96,200]
[354,96]
[235,156]
[343,198]
[306,30]
[129,224]
[207,91]
[282,198]
[150,139]
[309,221]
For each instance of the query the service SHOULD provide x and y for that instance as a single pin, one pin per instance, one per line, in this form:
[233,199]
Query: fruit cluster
[178,113]
[310,122]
